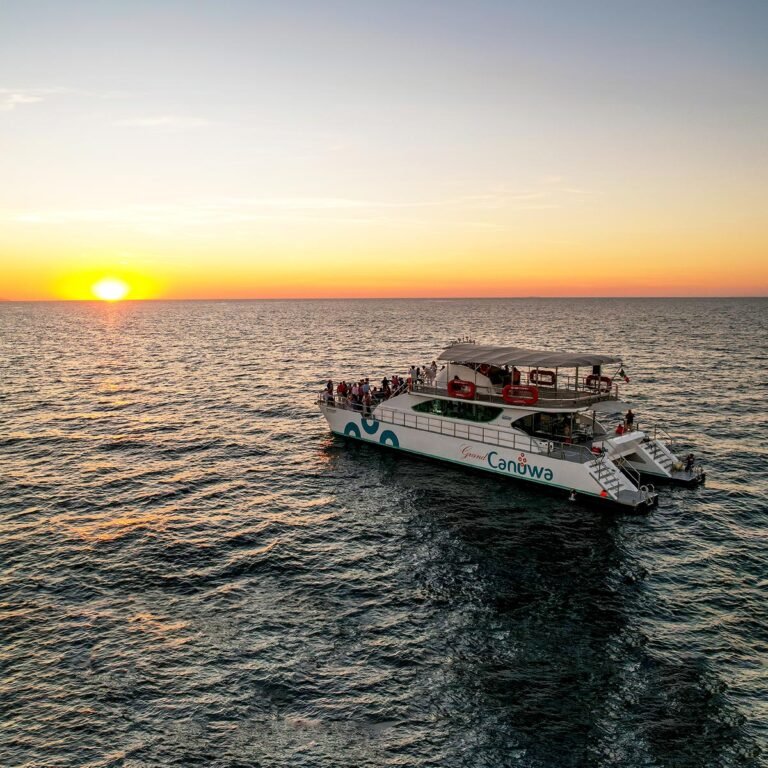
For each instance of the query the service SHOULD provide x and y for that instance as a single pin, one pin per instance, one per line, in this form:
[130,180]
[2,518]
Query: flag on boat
[623,375]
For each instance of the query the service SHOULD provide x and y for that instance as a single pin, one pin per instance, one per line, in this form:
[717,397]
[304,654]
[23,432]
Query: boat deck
[549,397]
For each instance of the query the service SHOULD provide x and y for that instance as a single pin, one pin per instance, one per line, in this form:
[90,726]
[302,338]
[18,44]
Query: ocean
[195,572]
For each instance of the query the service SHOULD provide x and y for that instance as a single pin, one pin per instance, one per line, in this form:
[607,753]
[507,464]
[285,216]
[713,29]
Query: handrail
[399,389]
[628,469]
[402,387]
[648,491]
[607,475]
[548,396]
[570,381]
[670,440]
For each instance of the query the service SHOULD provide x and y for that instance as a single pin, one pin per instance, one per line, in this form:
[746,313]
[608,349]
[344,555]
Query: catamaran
[535,415]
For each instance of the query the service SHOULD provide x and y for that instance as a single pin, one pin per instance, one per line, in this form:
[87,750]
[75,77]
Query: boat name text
[520,467]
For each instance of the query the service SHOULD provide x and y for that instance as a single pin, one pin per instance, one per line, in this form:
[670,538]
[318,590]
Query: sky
[237,149]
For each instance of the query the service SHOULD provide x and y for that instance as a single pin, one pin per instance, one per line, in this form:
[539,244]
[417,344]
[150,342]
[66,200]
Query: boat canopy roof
[491,354]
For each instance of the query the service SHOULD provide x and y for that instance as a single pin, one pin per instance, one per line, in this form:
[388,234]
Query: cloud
[163,121]
[484,210]
[9,100]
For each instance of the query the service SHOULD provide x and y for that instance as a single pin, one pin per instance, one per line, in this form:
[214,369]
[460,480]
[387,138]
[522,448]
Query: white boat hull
[535,466]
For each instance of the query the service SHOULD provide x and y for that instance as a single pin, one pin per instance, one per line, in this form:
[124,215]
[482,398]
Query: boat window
[457,410]
[527,424]
[542,423]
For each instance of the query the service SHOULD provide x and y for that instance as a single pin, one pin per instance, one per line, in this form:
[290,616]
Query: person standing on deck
[630,419]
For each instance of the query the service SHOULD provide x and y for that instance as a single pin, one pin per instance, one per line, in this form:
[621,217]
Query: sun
[110,289]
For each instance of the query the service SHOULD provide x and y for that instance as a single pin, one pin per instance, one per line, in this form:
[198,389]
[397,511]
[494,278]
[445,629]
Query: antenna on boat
[462,340]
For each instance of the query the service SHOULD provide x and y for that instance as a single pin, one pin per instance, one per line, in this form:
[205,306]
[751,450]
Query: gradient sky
[281,149]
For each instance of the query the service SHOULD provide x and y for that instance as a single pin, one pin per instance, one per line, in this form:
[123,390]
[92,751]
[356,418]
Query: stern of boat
[639,453]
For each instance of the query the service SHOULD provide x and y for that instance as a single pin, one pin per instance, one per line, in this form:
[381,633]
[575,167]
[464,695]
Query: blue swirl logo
[352,430]
[388,437]
[371,427]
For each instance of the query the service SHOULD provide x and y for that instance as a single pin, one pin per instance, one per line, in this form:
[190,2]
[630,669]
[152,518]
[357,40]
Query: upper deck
[528,378]
[566,394]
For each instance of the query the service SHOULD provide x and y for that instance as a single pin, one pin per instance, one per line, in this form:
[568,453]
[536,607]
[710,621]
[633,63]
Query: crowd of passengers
[364,396]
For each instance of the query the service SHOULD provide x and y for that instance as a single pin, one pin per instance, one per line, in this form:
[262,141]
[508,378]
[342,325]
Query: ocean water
[195,572]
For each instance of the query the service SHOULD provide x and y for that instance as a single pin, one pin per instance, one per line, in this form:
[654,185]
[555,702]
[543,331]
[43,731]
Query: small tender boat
[534,415]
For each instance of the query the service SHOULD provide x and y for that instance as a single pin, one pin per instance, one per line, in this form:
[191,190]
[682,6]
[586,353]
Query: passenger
[620,428]
[515,376]
[690,460]
[630,420]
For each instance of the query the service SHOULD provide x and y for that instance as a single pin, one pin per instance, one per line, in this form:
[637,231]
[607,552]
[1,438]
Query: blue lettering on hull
[520,467]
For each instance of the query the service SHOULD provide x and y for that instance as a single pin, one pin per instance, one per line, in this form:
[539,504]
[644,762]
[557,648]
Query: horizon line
[381,298]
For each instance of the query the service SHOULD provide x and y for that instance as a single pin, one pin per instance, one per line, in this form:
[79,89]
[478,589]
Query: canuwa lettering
[520,467]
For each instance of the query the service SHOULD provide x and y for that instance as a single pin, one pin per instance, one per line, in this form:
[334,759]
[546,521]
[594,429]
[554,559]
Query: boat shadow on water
[540,630]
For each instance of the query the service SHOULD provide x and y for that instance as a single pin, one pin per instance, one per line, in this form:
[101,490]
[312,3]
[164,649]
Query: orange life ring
[539,376]
[520,395]
[463,389]
[600,381]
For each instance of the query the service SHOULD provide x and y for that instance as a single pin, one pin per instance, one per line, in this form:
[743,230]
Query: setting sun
[110,289]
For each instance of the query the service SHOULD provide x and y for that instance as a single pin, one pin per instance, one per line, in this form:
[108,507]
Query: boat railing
[487,435]
[588,384]
[549,396]
[399,389]
[376,390]
[659,433]
[622,463]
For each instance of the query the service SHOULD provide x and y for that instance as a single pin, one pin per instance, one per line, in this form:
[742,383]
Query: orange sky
[489,150]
